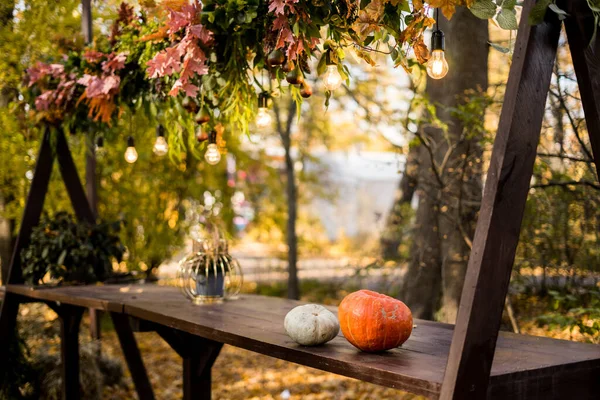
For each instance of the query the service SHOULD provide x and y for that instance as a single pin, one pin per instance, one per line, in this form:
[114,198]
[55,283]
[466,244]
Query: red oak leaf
[114,62]
[42,102]
[93,56]
[277,7]
[201,33]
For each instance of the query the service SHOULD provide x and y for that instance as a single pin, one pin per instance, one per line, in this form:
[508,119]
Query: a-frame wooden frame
[496,237]
[70,317]
[507,185]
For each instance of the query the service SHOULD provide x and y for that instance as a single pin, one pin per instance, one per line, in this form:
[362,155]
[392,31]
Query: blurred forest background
[380,190]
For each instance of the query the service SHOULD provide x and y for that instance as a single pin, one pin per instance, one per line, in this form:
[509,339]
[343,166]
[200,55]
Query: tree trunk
[392,235]
[448,199]
[285,133]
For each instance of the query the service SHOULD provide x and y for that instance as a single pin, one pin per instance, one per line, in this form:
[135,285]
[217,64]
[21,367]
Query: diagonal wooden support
[132,356]
[586,61]
[31,217]
[506,188]
[68,170]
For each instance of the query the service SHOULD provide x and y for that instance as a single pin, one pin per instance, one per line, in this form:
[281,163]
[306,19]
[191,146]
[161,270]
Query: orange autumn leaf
[160,34]
[369,18]
[448,7]
[417,5]
[421,51]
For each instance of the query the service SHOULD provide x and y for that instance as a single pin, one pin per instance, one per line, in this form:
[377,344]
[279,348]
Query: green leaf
[538,12]
[61,258]
[405,6]
[484,9]
[510,4]
[594,5]
[322,66]
[562,14]
[507,19]
[501,49]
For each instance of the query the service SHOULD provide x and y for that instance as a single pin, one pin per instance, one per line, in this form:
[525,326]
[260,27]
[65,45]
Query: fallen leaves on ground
[240,375]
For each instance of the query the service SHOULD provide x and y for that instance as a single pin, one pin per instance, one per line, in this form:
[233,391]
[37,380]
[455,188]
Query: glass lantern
[210,274]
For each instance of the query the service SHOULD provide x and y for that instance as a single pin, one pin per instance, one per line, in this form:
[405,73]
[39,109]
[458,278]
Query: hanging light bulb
[99,148]
[332,78]
[263,117]
[212,155]
[131,154]
[161,147]
[437,66]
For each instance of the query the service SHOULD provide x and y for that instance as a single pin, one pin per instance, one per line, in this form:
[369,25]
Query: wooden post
[586,61]
[132,356]
[498,227]
[198,356]
[70,320]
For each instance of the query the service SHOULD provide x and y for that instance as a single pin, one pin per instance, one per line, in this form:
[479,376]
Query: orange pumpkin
[374,322]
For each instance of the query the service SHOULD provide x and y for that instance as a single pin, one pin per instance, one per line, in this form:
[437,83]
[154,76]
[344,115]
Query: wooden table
[524,366]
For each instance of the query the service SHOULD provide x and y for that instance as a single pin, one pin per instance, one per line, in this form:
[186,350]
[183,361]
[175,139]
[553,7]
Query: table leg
[70,319]
[197,366]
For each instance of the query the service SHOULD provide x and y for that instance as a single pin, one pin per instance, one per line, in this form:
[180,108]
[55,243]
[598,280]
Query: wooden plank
[132,356]
[82,296]
[506,188]
[72,182]
[586,61]
[70,320]
[256,323]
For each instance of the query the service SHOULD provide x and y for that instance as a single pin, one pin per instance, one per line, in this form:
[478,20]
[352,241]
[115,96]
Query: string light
[161,147]
[212,155]
[331,78]
[437,66]
[263,117]
[131,154]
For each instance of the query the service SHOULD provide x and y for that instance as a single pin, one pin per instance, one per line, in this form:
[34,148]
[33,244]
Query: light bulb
[437,66]
[99,148]
[263,118]
[212,155]
[131,155]
[160,146]
[332,78]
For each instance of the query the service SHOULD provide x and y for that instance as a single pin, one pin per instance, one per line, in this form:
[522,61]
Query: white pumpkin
[311,325]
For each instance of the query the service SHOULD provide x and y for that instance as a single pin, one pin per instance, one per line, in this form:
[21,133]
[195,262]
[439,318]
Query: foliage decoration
[214,57]
[69,251]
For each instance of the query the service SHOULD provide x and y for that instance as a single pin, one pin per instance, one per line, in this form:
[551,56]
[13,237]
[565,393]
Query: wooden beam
[506,188]
[586,61]
[69,174]
[31,217]
[70,320]
[132,356]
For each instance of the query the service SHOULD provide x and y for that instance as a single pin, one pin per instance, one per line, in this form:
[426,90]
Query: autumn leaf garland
[213,52]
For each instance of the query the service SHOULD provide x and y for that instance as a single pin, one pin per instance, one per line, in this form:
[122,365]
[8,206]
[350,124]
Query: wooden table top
[256,323]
